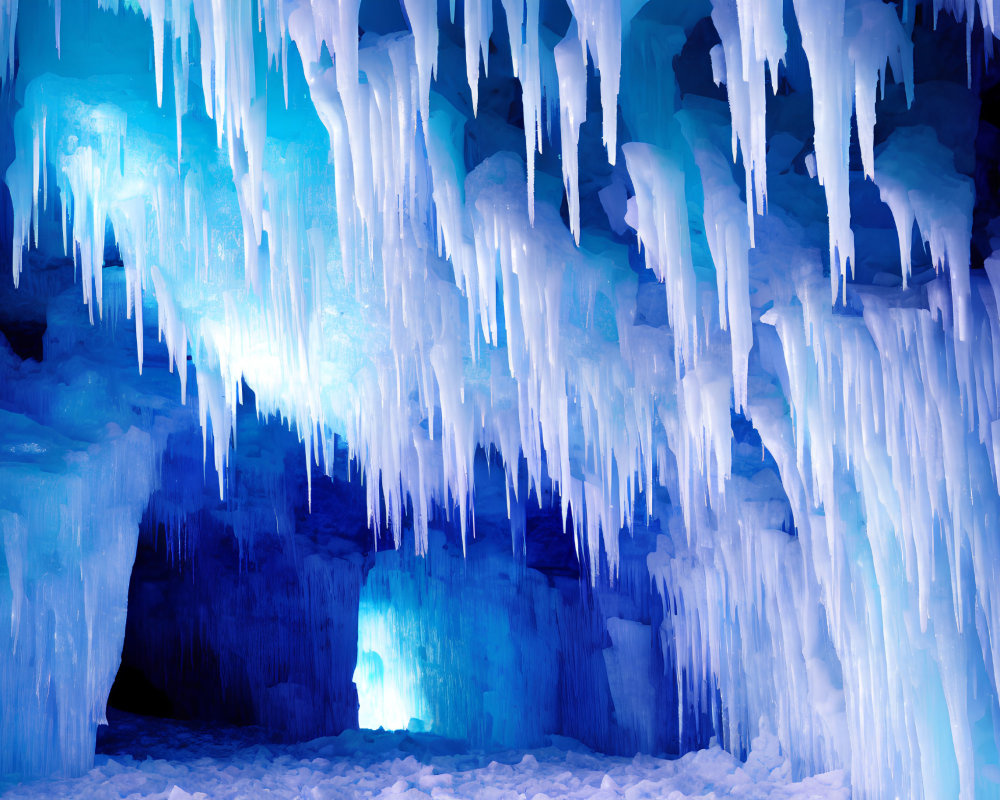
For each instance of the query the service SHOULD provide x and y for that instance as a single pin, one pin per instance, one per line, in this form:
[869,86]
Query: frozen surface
[141,757]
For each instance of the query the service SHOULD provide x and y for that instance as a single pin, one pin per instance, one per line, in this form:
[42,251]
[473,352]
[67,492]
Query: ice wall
[463,648]
[393,241]
[246,610]
[504,649]
[82,436]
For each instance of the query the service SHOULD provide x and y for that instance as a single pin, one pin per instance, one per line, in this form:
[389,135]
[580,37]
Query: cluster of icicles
[425,311]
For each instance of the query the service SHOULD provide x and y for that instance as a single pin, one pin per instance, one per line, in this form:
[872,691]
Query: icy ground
[140,757]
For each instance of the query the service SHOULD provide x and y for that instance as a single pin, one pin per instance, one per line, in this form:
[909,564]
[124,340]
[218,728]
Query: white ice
[163,760]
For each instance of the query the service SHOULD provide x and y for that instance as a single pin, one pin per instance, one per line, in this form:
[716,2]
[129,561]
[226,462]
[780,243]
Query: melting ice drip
[335,236]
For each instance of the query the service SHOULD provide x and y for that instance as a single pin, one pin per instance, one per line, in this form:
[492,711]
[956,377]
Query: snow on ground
[147,758]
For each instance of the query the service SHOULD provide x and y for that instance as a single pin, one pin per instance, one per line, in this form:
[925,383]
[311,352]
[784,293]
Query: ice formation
[653,263]
[155,761]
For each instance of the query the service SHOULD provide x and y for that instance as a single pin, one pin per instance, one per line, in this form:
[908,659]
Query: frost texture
[376,247]
[154,759]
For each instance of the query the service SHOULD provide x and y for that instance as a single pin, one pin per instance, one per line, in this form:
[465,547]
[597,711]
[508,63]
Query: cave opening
[259,611]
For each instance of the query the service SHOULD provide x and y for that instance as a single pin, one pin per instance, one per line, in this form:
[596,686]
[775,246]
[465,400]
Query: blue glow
[388,673]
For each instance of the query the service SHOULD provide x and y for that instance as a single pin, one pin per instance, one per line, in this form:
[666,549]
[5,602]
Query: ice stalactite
[917,179]
[572,111]
[753,46]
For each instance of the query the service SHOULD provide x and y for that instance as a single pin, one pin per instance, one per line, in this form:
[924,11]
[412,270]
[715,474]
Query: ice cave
[525,399]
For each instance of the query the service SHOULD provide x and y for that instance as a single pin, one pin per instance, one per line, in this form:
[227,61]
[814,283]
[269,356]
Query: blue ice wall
[455,646]
[246,610]
[618,249]
[503,646]
[82,436]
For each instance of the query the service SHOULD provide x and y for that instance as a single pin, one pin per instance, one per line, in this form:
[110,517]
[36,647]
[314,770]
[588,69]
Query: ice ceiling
[725,266]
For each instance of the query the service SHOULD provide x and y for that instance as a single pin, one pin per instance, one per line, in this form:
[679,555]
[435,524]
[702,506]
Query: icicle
[572,111]
[729,243]
[157,9]
[752,39]
[478,27]
[57,14]
[917,179]
[658,214]
[422,15]
[876,37]
[832,105]
[600,32]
